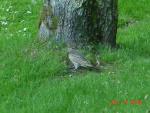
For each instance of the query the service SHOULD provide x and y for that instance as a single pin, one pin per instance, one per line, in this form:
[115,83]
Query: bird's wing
[76,52]
[80,60]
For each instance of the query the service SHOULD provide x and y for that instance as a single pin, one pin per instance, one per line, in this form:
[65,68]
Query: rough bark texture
[83,22]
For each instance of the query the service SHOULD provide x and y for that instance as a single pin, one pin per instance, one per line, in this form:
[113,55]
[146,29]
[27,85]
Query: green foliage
[54,22]
[34,78]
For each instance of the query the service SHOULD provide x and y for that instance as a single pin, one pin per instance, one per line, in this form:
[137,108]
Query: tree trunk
[84,22]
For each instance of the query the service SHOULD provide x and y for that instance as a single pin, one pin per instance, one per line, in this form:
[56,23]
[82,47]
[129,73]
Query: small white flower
[22,21]
[7,10]
[24,29]
[146,97]
[70,75]
[4,22]
[28,12]
[15,12]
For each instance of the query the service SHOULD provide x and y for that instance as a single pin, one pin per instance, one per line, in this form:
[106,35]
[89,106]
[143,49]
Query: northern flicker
[78,59]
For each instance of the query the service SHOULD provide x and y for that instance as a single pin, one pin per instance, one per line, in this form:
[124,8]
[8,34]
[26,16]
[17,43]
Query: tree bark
[85,22]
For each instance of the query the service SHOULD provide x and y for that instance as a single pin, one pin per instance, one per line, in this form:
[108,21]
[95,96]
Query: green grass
[34,79]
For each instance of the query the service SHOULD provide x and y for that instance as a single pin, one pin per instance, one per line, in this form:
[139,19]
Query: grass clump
[35,79]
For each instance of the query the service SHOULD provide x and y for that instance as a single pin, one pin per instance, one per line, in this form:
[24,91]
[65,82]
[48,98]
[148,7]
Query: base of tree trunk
[86,22]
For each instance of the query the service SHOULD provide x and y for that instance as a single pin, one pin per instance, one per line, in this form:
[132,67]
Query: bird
[78,59]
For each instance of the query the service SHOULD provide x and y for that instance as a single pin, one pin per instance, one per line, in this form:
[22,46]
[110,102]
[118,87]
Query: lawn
[35,79]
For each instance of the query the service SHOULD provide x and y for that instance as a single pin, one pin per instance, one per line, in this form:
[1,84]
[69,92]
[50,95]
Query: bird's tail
[93,67]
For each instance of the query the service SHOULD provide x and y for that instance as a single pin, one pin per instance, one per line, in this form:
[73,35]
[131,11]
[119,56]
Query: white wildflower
[22,21]
[7,10]
[29,12]
[70,75]
[24,29]
[4,22]
[146,97]
[15,12]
